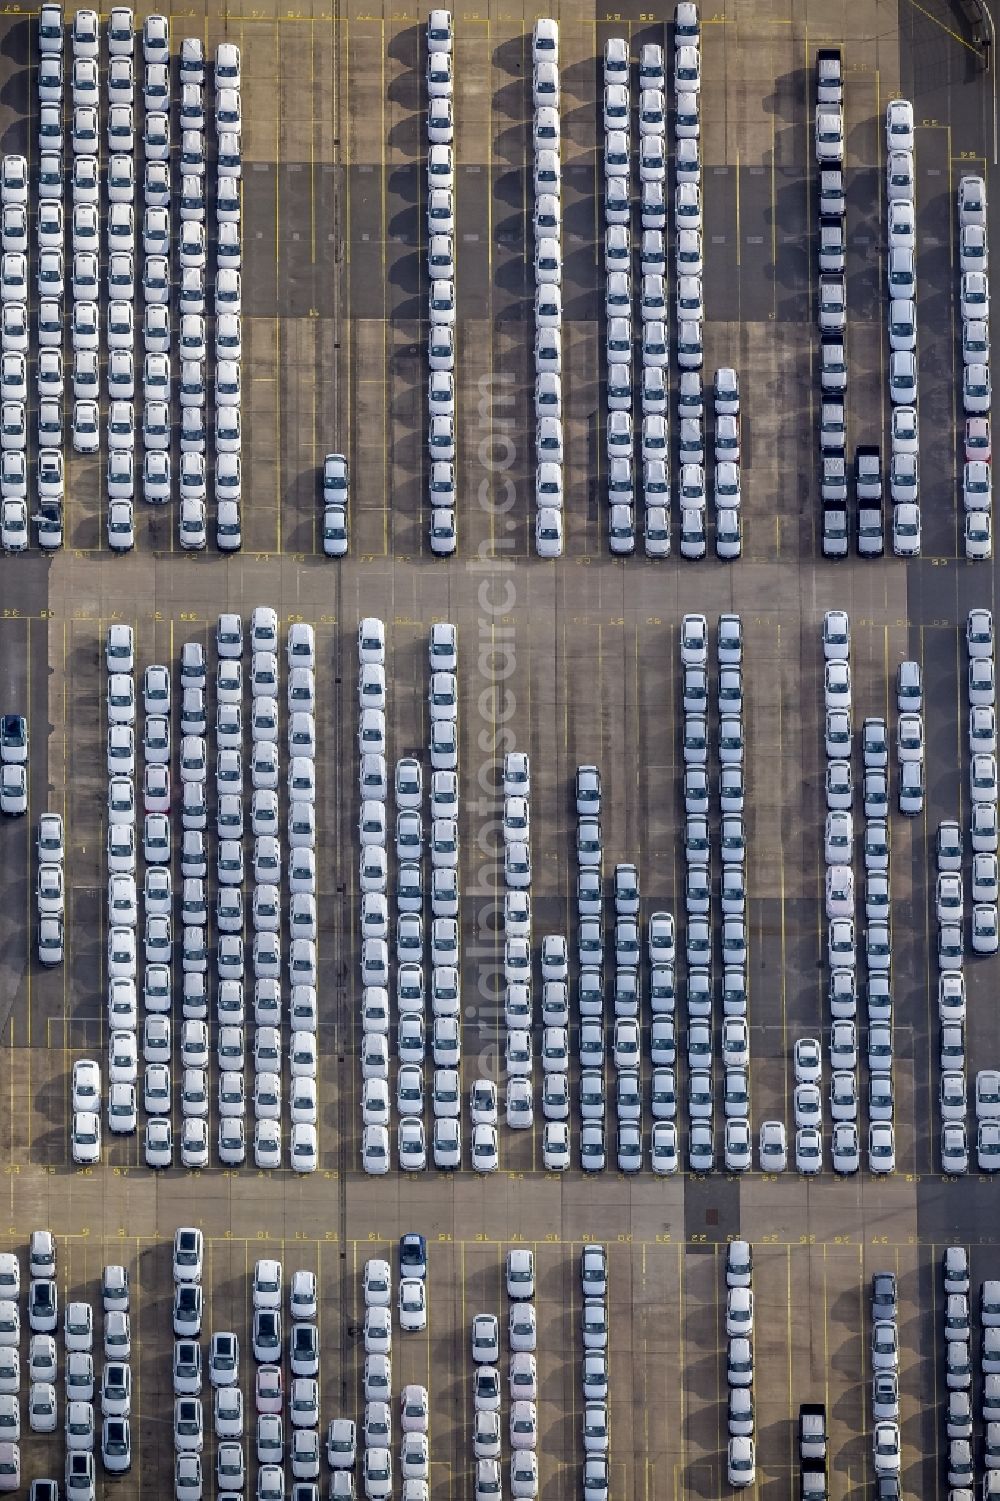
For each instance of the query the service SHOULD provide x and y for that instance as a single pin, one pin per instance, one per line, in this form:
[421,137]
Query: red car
[977,439]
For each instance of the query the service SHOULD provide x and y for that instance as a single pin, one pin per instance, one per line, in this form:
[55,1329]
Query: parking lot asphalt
[582,657]
[666,1316]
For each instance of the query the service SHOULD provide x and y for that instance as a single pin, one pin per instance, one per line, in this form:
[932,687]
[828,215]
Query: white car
[899,125]
[837,685]
[375,1149]
[881,1147]
[839,891]
[839,837]
[741,1467]
[901,225]
[975,297]
[808,1150]
[899,174]
[808,1060]
[846,1148]
[954,1148]
[886,1448]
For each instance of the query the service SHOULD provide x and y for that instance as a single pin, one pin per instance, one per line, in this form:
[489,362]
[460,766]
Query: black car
[412,1255]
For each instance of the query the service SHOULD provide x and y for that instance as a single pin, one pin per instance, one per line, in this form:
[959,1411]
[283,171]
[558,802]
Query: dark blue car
[412,1256]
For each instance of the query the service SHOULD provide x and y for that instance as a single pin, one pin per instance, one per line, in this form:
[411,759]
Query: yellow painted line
[277,283]
[789,1343]
[720,1334]
[645,1405]
[29,819]
[774,216]
[100,1234]
[781,897]
[259,17]
[489,283]
[386,398]
[312,140]
[826,1342]
[464,1337]
[936,1330]
[682,1386]
[947,29]
[960,675]
[932,1095]
[881,259]
[67,924]
[862,1327]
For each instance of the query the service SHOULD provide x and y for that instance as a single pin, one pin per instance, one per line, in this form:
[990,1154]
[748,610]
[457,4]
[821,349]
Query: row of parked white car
[50,888]
[956,1329]
[832,317]
[627,1036]
[522,1385]
[884,1354]
[689,313]
[519,1008]
[951,1006]
[272,1407]
[595,1391]
[49,488]
[269,899]
[974,306]
[267,905]
[156,238]
[374,915]
[832,260]
[974,297]
[902,330]
[901,289]
[618,310]
[191,236]
[547,221]
[123,906]
[981,649]
[699,936]
[410,941]
[414,1401]
[663,1139]
[727,494]
[950,913]
[841,950]
[741,1458]
[85,1434]
[689,308]
[440,123]
[729,786]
